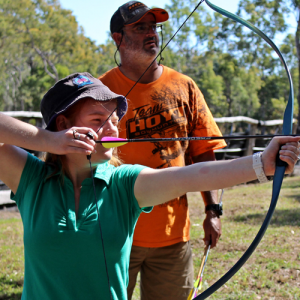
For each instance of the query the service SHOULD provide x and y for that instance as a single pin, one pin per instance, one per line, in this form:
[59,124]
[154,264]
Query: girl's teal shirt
[63,253]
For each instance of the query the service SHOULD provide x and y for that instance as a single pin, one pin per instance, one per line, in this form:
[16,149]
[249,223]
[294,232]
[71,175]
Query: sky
[94,15]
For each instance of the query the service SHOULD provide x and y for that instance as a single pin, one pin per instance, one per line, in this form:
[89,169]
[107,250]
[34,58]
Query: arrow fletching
[198,282]
[191,295]
[112,142]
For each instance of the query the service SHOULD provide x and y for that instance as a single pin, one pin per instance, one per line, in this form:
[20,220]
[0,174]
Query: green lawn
[11,255]
[273,271]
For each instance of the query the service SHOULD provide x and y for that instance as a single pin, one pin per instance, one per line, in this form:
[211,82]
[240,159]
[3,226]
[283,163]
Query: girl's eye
[115,121]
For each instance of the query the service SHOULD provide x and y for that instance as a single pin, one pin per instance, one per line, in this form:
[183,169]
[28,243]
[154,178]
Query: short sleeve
[202,124]
[127,175]
[34,169]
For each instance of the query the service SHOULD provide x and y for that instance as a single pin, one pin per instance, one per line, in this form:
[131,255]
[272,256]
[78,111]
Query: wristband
[258,168]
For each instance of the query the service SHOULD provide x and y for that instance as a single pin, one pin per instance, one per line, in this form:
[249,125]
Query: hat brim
[101,97]
[160,14]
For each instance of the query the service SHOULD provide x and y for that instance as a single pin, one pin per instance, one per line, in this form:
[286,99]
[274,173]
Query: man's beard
[136,48]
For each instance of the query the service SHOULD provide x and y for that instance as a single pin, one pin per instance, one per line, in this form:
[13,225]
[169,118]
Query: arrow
[198,283]
[111,142]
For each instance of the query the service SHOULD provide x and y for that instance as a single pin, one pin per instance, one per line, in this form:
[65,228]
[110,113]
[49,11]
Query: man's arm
[212,223]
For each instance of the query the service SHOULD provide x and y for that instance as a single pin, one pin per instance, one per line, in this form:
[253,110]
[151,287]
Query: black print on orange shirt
[149,120]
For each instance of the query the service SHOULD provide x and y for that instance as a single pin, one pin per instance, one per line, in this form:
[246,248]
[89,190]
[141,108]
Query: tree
[40,43]
[272,17]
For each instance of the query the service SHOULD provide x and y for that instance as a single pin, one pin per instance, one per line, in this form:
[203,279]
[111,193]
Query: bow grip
[279,162]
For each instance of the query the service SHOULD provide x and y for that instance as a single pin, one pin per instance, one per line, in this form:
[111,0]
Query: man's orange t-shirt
[171,106]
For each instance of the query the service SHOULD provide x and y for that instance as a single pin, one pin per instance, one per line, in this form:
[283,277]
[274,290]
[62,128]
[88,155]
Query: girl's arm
[154,187]
[14,132]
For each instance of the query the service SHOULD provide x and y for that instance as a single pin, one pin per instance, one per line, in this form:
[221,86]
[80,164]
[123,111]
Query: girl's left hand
[289,151]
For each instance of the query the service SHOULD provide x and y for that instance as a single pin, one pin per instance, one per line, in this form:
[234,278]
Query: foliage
[236,71]
[40,43]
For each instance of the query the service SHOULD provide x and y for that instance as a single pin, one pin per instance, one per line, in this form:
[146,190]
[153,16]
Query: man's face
[142,37]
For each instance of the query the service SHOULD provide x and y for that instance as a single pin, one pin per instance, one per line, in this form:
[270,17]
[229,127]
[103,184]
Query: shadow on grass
[13,284]
[294,197]
[287,217]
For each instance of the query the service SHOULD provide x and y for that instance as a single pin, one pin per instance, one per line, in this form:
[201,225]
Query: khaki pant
[166,272]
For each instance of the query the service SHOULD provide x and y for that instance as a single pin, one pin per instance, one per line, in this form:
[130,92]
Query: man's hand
[212,228]
[212,224]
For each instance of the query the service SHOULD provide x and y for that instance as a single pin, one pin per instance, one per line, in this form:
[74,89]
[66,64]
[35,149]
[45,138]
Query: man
[164,103]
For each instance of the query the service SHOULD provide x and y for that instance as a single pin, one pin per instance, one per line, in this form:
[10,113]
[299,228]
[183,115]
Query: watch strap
[258,167]
[216,208]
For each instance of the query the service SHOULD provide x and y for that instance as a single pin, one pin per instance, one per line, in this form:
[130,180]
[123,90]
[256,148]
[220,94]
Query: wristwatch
[217,208]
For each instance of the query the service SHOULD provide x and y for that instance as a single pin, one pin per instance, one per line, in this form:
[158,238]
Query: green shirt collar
[103,172]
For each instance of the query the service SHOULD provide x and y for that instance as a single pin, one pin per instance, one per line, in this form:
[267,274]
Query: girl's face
[93,114]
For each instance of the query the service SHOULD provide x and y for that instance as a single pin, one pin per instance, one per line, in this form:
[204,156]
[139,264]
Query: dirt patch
[10,213]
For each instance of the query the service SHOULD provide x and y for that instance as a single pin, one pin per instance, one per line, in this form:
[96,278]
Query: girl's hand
[74,140]
[288,148]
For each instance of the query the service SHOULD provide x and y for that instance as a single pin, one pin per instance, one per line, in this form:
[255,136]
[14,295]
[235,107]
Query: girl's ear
[62,123]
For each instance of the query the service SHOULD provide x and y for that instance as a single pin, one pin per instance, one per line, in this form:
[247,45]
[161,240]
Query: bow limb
[280,167]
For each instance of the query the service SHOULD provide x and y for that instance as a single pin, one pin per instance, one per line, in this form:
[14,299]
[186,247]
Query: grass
[11,255]
[272,272]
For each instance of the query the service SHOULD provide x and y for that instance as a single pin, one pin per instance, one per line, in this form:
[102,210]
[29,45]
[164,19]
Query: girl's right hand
[74,140]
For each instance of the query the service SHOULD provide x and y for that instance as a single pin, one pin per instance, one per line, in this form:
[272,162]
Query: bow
[280,166]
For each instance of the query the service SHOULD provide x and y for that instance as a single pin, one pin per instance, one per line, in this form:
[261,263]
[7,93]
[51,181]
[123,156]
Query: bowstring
[89,156]
[98,213]
[99,223]
[163,48]
[280,169]
[160,52]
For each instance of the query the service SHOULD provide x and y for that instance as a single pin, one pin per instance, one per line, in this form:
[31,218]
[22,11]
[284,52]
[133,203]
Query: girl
[78,227]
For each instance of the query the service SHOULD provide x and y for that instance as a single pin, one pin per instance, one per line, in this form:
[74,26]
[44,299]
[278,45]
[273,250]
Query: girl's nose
[110,128]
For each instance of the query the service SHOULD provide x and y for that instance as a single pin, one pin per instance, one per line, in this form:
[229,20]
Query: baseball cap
[131,12]
[73,88]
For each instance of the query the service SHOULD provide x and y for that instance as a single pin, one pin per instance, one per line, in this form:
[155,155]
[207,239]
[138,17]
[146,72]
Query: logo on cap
[136,5]
[82,80]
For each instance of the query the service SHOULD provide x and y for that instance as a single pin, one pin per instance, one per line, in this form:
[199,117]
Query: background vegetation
[238,72]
